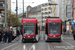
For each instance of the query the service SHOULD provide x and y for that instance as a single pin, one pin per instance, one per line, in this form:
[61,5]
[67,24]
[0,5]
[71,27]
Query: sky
[26,3]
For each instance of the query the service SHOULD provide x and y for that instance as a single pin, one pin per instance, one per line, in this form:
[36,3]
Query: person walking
[4,35]
[73,34]
[64,30]
[18,33]
[0,35]
[10,35]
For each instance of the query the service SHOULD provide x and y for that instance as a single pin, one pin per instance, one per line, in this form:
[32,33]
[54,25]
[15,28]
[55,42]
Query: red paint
[52,20]
[27,21]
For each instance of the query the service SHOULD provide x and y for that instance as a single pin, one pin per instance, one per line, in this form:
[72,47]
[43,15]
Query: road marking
[49,47]
[33,46]
[67,38]
[24,47]
[8,46]
[68,43]
[28,47]
[16,47]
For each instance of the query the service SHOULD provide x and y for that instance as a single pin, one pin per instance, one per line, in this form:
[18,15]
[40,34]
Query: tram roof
[53,20]
[32,20]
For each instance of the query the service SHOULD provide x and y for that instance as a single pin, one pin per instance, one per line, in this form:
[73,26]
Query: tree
[11,20]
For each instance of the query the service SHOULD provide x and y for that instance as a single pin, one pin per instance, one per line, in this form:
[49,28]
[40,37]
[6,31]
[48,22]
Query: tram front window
[54,28]
[29,28]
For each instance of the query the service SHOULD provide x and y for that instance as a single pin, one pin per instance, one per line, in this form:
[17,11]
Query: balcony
[2,0]
[1,7]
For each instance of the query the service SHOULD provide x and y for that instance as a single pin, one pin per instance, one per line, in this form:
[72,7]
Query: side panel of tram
[30,30]
[53,29]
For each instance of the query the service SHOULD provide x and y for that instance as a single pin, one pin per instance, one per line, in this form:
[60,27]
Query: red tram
[53,29]
[30,30]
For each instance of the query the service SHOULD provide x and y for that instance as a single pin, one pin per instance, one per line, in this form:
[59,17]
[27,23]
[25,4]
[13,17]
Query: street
[67,44]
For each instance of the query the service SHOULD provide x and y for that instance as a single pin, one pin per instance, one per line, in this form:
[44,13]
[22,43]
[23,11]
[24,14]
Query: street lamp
[23,8]
[5,14]
[16,8]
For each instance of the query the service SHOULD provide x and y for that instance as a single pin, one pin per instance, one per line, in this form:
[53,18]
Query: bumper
[28,39]
[54,39]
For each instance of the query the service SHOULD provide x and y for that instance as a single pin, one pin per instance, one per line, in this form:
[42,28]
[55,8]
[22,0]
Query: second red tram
[30,30]
[53,29]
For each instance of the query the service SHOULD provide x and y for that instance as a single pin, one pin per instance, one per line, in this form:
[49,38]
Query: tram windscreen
[29,28]
[54,28]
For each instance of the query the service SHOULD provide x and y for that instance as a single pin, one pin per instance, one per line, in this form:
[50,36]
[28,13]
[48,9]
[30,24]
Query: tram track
[52,46]
[23,46]
[29,47]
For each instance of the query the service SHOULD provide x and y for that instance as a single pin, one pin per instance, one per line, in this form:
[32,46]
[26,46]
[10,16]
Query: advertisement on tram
[30,30]
[53,29]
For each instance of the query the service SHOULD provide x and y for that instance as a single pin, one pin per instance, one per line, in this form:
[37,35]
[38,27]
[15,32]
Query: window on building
[49,4]
[1,4]
[45,17]
[49,8]
[42,5]
[45,9]
[45,4]
[46,12]
[42,9]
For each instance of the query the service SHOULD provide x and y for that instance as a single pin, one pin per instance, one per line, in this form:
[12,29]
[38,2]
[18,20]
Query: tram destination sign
[29,23]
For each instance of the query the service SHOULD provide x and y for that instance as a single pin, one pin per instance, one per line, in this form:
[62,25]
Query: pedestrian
[64,31]
[18,33]
[73,34]
[10,35]
[5,36]
[0,35]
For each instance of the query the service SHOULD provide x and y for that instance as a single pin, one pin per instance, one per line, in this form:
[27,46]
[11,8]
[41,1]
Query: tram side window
[46,29]
[36,29]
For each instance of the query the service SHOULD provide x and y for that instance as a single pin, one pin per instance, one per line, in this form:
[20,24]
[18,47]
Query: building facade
[73,9]
[2,5]
[34,12]
[2,9]
[62,10]
[41,12]
[48,10]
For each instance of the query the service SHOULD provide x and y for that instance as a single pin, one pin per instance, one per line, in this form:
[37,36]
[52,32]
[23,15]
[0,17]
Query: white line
[24,47]
[68,37]
[8,46]
[16,47]
[49,47]
[33,46]
[29,47]
[68,43]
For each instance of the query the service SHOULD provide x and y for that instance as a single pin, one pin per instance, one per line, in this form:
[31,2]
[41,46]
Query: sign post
[67,25]
[42,21]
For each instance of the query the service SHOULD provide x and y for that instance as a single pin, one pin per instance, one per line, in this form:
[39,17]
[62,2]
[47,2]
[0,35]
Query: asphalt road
[67,44]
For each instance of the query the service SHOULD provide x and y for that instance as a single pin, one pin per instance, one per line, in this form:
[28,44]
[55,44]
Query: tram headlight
[32,37]
[24,37]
